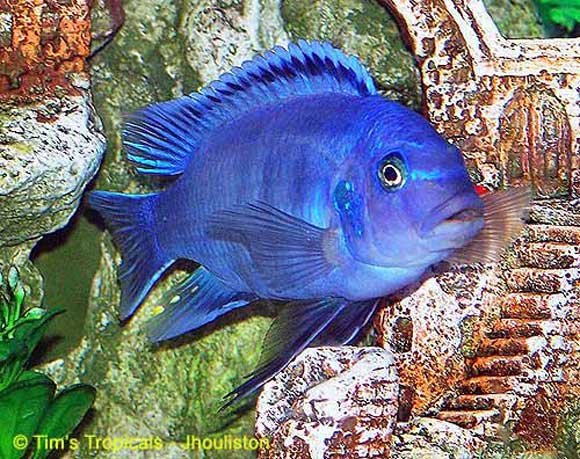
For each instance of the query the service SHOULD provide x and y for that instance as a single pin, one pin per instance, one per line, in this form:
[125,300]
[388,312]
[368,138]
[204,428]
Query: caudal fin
[130,220]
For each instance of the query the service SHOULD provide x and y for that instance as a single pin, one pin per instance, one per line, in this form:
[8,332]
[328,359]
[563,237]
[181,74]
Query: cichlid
[293,179]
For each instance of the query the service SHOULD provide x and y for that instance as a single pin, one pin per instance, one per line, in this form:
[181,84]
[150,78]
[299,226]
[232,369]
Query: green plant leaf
[7,349]
[13,277]
[30,375]
[65,413]
[566,16]
[22,406]
[17,349]
[4,311]
[29,331]
[13,355]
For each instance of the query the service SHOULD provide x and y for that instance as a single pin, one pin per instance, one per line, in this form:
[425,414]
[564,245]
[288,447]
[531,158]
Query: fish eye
[392,172]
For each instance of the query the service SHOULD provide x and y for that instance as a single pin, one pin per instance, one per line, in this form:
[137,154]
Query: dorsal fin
[161,138]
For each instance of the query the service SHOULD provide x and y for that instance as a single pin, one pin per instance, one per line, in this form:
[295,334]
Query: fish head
[406,200]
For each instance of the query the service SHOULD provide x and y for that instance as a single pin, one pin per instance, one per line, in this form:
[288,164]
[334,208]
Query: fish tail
[130,218]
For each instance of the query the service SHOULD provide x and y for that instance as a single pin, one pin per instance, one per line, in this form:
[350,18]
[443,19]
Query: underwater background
[163,50]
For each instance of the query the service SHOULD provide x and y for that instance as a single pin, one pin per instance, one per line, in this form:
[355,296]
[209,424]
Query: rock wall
[50,139]
[337,402]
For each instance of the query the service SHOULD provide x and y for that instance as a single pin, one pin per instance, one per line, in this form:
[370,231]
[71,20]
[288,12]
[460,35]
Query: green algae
[515,18]
[169,391]
[144,64]
[21,147]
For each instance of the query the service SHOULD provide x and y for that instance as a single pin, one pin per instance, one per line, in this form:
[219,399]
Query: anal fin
[195,302]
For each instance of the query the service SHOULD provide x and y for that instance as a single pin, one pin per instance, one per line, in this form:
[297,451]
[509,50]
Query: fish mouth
[460,211]
[468,215]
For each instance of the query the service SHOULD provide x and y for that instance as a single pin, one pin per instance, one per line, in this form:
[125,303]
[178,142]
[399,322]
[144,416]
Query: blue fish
[294,180]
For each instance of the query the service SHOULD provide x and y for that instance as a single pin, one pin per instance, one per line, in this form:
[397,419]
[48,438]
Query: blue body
[292,155]
[294,180]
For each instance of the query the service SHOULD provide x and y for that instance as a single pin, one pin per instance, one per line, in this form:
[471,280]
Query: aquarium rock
[429,438]
[330,402]
[49,152]
[427,330]
[51,143]
[138,383]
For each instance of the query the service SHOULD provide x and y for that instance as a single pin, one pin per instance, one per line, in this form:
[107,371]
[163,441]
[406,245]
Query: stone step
[469,419]
[469,402]
[548,255]
[541,280]
[480,385]
[549,233]
[527,305]
[497,366]
[517,328]
[503,347]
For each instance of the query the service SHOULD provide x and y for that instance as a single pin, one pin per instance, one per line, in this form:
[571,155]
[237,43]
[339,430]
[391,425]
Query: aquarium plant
[34,421]
[559,14]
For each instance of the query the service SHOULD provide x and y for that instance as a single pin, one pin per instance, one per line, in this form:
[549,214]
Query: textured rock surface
[428,438]
[142,391]
[364,29]
[49,152]
[166,49]
[528,341]
[516,18]
[50,140]
[428,330]
[330,402]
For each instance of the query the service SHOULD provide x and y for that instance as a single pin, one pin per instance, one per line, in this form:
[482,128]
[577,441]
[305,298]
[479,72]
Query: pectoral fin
[346,327]
[284,249]
[505,213]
